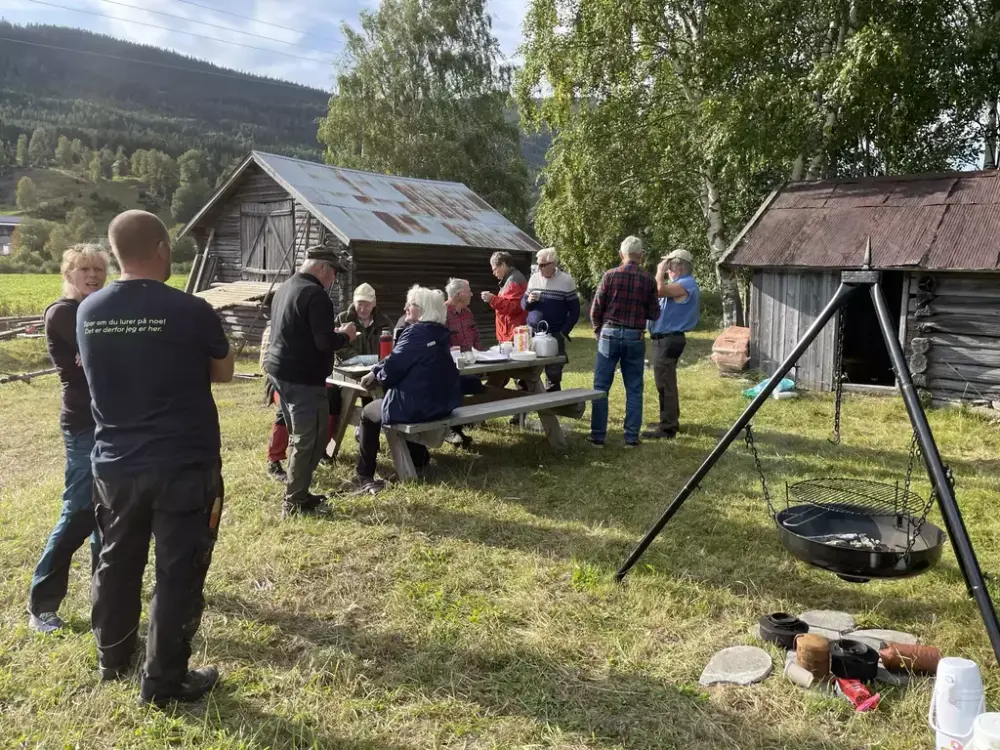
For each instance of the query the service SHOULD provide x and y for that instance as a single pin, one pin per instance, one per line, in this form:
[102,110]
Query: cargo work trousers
[666,352]
[306,411]
[180,509]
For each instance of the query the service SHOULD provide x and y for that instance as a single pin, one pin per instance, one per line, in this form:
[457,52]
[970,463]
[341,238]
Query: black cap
[327,255]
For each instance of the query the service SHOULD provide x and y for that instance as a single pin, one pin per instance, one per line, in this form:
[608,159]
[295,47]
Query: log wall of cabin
[953,335]
[393,269]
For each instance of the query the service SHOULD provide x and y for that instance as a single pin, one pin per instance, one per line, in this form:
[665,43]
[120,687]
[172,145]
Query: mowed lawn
[478,610]
[28,293]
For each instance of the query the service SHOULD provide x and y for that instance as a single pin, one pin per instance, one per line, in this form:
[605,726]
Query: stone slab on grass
[737,665]
[828,619]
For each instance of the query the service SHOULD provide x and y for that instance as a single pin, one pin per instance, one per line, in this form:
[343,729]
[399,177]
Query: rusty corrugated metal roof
[368,207]
[943,222]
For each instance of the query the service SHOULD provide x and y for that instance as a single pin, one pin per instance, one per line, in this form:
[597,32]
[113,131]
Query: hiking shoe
[196,685]
[314,506]
[47,622]
[659,434]
[595,443]
[632,444]
[458,439]
[277,472]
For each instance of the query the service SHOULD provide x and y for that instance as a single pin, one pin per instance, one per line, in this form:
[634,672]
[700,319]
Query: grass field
[27,293]
[477,610]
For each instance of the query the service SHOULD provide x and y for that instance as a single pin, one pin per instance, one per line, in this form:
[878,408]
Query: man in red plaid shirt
[626,298]
[461,322]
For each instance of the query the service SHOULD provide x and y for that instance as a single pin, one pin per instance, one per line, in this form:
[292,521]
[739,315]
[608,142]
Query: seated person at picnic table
[369,322]
[419,377]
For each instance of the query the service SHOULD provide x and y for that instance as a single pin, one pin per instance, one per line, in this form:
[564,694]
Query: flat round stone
[828,619]
[737,665]
[875,638]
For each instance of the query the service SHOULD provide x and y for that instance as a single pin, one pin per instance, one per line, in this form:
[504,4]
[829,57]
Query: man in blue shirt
[551,298]
[680,300]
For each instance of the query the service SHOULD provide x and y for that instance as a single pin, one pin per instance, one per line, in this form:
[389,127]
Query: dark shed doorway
[866,360]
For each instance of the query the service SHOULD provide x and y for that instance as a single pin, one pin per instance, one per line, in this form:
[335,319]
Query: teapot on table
[544,344]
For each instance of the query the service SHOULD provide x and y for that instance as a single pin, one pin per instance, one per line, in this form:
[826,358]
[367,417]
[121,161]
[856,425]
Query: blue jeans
[626,347]
[76,522]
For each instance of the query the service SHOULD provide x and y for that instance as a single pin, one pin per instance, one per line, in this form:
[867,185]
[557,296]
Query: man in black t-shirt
[304,337]
[151,353]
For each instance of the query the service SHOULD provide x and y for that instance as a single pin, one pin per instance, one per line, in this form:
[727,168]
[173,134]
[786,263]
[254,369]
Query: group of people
[303,340]
[137,360]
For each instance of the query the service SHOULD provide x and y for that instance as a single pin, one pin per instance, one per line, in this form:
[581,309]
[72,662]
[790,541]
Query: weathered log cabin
[936,238]
[393,232]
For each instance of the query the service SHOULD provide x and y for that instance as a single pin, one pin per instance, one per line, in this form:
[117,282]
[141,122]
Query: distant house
[394,232]
[7,226]
[936,239]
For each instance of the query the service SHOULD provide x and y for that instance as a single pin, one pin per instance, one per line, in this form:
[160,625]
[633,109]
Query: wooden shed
[936,238]
[394,232]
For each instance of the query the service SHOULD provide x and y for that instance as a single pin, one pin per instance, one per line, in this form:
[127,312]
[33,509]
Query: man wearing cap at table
[680,300]
[299,360]
[370,322]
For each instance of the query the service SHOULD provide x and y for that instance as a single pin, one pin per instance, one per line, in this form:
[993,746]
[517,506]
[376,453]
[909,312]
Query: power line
[176,31]
[247,18]
[213,25]
[158,65]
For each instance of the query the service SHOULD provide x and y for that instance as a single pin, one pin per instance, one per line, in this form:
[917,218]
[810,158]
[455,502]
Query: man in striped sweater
[551,297]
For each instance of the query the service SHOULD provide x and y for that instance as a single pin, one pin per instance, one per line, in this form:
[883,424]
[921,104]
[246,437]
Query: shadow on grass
[604,703]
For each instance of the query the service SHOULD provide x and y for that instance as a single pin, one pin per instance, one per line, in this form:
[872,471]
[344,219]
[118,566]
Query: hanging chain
[752,445]
[839,376]
[931,498]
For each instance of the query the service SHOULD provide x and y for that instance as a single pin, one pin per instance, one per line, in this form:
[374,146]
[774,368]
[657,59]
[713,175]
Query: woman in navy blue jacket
[420,380]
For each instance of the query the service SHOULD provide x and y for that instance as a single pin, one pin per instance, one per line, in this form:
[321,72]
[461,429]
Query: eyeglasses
[545,265]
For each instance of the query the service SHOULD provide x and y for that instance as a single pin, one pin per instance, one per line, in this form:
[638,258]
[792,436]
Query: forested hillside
[89,94]
[159,105]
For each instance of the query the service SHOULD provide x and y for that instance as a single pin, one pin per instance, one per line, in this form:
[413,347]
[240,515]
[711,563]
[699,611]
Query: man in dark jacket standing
[300,355]
[151,354]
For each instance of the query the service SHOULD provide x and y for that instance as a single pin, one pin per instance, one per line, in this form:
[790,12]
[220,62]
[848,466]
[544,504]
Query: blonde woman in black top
[84,271]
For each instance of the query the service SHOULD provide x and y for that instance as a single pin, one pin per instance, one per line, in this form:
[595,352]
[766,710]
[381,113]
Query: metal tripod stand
[850,283]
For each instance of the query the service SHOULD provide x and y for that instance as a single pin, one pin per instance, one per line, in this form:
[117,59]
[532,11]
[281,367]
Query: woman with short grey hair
[420,380]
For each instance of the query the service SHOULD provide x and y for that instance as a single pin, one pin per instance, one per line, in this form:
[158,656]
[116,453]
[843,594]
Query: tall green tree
[30,237]
[5,158]
[424,93]
[675,118]
[40,148]
[121,166]
[27,194]
[95,169]
[64,153]
[79,227]
[22,151]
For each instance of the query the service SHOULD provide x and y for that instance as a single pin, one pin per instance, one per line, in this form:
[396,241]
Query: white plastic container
[986,732]
[957,700]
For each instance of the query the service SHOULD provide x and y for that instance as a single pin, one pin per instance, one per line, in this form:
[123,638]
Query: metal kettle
[544,344]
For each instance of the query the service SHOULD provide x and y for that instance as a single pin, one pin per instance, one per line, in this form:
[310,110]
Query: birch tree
[678,117]
[423,92]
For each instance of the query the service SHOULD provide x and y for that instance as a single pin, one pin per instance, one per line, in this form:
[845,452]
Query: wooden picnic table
[348,379]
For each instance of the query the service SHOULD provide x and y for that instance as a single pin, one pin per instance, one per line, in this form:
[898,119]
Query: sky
[312,29]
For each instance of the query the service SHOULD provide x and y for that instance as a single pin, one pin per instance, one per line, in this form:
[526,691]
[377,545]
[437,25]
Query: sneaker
[458,439]
[196,685]
[277,472]
[659,434]
[632,444]
[595,443]
[47,622]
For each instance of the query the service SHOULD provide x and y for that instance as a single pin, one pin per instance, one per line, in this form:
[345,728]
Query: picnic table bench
[493,403]
[432,434]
